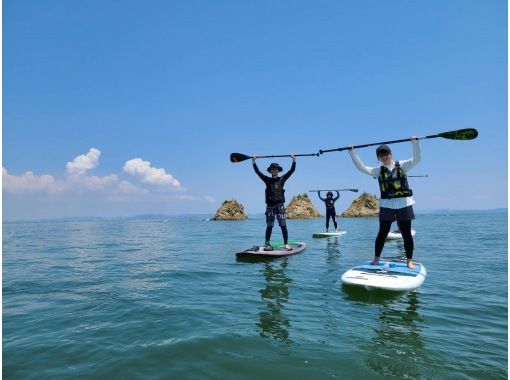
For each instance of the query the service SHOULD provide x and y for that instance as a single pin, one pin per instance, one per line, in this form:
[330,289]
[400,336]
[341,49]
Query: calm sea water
[168,299]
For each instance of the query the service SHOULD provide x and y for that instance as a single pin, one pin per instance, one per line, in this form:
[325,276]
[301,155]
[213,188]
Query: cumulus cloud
[84,162]
[78,180]
[29,183]
[147,174]
[93,183]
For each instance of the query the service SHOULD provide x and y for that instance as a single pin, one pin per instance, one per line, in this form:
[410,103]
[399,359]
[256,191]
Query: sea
[166,298]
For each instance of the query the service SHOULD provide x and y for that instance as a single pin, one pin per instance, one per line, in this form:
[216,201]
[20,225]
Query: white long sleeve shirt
[394,203]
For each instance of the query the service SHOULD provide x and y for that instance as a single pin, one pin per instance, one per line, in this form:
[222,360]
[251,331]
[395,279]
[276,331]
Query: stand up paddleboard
[328,234]
[390,274]
[278,250]
[394,235]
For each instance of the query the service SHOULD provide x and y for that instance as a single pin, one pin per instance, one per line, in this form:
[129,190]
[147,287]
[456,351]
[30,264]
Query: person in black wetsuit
[330,208]
[275,199]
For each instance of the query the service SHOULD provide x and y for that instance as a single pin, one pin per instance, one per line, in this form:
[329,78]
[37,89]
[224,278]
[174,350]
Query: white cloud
[126,187]
[29,183]
[93,183]
[113,186]
[84,162]
[147,174]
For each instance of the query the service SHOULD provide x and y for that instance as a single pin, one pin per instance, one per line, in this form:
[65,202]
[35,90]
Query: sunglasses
[384,153]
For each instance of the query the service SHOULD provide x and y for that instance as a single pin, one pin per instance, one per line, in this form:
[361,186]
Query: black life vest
[330,204]
[393,184]
[274,191]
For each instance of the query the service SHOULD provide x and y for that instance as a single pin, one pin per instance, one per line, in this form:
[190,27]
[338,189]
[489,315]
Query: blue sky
[118,108]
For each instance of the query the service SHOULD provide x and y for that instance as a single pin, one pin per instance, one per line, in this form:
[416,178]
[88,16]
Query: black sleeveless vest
[393,184]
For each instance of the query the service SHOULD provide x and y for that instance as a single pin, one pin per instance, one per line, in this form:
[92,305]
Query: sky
[119,108]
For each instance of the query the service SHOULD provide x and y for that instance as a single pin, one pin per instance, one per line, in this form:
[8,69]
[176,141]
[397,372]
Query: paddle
[239,157]
[316,191]
[461,134]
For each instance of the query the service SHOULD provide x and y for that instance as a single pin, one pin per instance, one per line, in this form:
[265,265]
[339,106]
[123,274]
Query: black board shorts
[392,214]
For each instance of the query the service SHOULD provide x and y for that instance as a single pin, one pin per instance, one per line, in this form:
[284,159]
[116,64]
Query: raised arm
[374,172]
[412,162]
[337,196]
[291,170]
[256,168]
[322,199]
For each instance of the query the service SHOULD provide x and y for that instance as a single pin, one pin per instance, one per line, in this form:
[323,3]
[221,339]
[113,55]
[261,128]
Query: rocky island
[300,207]
[230,210]
[363,206]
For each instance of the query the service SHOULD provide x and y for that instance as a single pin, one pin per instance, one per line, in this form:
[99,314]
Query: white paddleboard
[278,250]
[328,234]
[394,235]
[388,275]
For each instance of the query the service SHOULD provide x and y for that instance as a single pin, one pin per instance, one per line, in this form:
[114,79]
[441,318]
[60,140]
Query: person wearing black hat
[396,201]
[275,199]
[330,207]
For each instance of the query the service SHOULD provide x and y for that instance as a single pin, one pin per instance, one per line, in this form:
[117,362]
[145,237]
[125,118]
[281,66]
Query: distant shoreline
[204,216]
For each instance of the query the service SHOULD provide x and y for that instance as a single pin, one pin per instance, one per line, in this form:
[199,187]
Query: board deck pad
[388,274]
[278,250]
[328,234]
[399,268]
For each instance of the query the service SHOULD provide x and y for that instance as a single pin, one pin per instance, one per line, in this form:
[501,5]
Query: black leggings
[330,214]
[405,230]
[285,233]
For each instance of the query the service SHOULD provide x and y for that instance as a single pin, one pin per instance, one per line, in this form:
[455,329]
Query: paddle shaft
[461,134]
[239,157]
[316,191]
[288,155]
[373,144]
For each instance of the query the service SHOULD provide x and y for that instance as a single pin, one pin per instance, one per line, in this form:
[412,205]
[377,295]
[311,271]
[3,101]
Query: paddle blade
[461,134]
[238,157]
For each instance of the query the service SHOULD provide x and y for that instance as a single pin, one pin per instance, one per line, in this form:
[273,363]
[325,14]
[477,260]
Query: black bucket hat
[329,193]
[382,148]
[274,165]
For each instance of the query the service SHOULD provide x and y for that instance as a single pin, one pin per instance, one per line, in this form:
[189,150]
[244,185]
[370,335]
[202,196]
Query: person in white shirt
[396,201]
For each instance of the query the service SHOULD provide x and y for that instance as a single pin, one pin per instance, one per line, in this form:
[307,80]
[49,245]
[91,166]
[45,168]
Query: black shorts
[392,214]
[277,210]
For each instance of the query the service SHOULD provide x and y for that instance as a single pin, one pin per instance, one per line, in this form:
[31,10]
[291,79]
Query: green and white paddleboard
[328,234]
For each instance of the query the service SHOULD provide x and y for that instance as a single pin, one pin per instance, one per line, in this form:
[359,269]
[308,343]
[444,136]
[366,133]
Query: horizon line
[85,218]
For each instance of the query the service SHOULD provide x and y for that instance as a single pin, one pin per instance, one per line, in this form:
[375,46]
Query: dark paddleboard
[278,250]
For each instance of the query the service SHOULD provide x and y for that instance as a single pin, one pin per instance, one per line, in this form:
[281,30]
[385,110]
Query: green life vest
[393,184]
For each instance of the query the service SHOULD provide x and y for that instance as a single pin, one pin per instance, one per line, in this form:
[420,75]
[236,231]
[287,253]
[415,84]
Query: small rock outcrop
[230,210]
[363,206]
[300,207]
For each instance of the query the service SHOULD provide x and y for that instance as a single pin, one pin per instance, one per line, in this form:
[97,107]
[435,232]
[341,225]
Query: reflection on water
[273,323]
[374,296]
[332,250]
[397,349]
